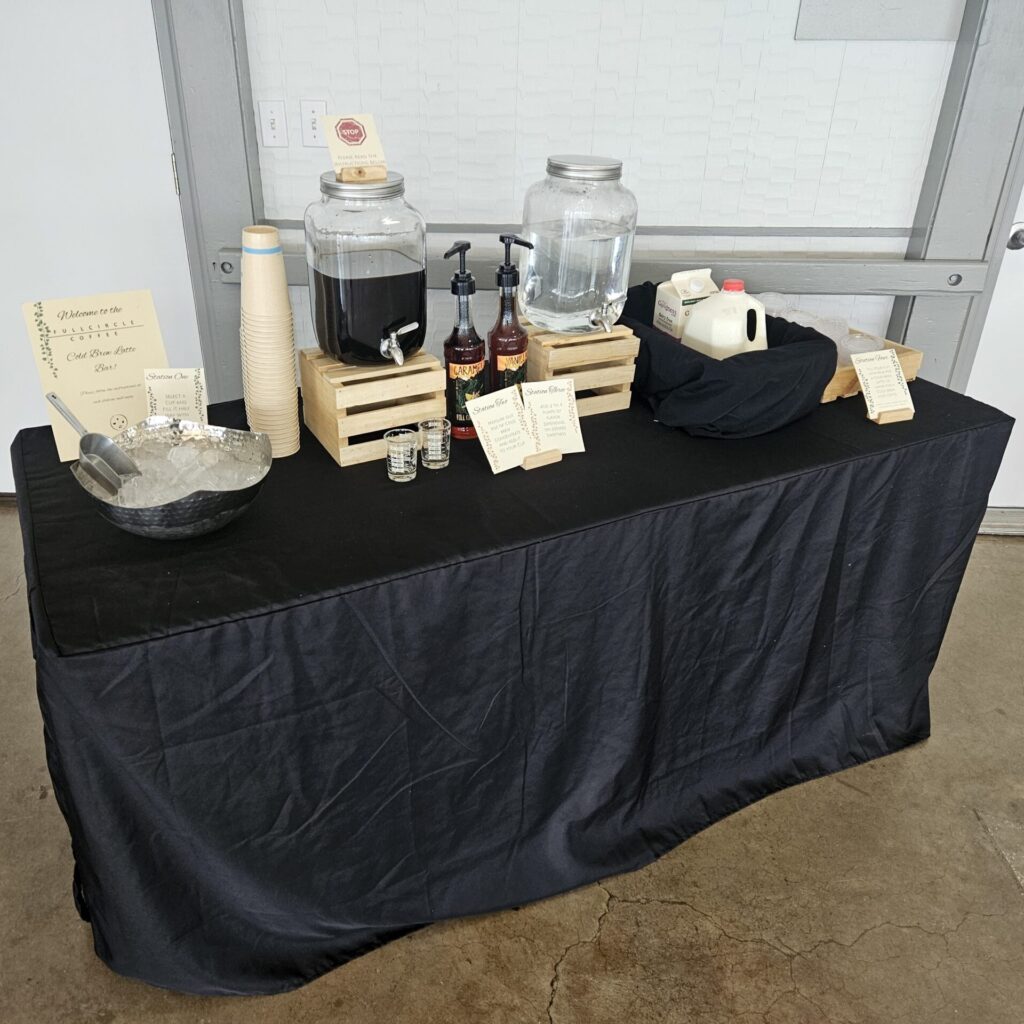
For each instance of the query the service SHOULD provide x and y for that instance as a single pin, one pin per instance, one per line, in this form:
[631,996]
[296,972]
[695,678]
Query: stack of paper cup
[268,342]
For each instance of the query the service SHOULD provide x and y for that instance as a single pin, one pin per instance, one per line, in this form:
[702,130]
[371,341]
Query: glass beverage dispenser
[581,221]
[367,259]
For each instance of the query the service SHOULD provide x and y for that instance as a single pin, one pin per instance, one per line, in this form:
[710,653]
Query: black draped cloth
[365,706]
[748,394]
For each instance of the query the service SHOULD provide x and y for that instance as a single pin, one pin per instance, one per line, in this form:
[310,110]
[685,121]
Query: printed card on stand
[500,422]
[179,393]
[884,386]
[552,415]
[92,351]
[531,429]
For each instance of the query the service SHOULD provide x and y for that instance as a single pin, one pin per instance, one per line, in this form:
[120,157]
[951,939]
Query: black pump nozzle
[508,272]
[462,279]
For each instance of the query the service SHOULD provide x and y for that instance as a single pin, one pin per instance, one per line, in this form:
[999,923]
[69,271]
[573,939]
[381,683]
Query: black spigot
[508,273]
[462,280]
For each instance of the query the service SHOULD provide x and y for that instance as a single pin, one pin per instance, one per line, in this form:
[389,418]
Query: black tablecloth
[367,706]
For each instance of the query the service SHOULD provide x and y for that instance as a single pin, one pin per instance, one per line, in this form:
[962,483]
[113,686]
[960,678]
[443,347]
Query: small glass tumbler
[435,443]
[401,455]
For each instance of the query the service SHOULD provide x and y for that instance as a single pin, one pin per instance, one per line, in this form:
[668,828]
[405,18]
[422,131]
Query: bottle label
[511,370]
[467,382]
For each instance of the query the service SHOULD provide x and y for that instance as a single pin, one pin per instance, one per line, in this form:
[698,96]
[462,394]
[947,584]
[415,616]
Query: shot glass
[435,443]
[401,459]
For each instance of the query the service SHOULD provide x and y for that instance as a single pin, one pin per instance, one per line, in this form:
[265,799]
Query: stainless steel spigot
[390,345]
[603,317]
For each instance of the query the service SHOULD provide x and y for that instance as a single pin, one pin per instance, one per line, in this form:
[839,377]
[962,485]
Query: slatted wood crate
[846,384]
[348,408]
[601,365]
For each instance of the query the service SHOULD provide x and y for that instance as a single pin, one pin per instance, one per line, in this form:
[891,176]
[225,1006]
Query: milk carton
[677,298]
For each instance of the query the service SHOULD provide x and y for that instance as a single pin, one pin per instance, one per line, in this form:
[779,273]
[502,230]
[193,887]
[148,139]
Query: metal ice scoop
[100,456]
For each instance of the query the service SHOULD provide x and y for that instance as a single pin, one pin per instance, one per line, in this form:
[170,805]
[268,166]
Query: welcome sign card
[93,352]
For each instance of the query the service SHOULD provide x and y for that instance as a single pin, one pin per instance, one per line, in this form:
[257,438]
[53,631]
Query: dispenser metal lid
[392,186]
[585,168]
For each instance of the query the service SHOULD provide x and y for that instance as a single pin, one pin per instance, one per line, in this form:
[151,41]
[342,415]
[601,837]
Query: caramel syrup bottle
[507,339]
[464,358]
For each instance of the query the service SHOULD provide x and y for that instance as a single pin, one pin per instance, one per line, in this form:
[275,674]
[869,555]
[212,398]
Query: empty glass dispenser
[581,221]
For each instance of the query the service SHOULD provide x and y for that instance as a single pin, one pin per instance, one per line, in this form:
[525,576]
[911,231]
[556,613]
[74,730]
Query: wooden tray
[844,382]
[348,407]
[601,365]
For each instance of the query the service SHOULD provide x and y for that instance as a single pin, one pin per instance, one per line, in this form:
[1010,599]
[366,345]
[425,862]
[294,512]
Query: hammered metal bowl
[197,513]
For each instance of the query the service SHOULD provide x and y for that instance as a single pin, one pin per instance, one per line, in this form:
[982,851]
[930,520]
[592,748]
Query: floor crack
[556,973]
[944,935]
[642,900]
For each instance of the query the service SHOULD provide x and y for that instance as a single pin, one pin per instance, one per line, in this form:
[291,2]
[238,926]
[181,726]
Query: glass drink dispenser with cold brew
[366,255]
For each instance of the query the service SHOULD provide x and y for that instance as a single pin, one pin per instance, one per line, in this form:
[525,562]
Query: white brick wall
[720,116]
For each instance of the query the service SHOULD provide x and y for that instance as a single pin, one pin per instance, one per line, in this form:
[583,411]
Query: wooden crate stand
[845,383]
[343,404]
[601,365]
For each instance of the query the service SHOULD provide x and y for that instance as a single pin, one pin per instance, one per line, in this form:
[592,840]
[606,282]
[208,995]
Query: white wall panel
[86,174]
[999,369]
[721,116]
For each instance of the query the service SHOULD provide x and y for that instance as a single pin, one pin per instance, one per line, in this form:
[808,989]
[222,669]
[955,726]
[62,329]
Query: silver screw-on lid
[393,185]
[585,168]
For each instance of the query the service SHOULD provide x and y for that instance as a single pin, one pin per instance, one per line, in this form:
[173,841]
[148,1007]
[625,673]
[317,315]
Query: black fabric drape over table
[364,706]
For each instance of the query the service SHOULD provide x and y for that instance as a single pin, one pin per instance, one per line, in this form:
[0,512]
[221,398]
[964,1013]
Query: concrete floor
[892,892]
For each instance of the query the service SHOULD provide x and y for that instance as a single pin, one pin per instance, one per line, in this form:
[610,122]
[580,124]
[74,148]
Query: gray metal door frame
[205,71]
[973,180]
[942,287]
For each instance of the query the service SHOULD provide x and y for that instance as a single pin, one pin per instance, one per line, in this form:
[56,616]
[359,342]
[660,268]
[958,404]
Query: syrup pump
[508,340]
[464,359]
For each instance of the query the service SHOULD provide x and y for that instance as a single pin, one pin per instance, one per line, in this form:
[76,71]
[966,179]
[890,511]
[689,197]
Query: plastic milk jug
[726,324]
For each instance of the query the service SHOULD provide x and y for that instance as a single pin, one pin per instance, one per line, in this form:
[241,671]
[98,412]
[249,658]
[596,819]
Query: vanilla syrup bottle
[507,340]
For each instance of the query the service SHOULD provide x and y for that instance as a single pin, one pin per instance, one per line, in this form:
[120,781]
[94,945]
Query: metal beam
[671,230]
[181,143]
[972,181]
[207,91]
[248,109]
[802,276]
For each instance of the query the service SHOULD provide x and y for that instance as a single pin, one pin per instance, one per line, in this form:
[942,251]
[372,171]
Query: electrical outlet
[310,112]
[273,126]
